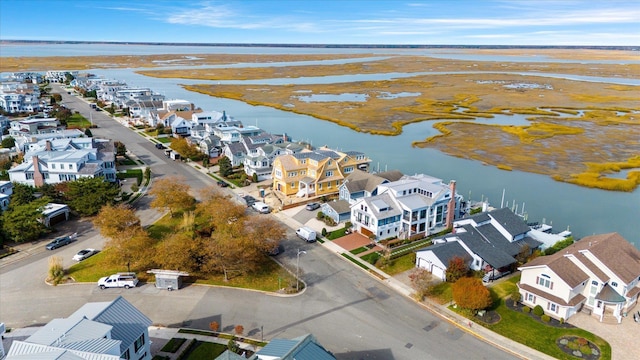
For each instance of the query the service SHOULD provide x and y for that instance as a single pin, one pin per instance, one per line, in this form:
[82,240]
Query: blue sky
[468,22]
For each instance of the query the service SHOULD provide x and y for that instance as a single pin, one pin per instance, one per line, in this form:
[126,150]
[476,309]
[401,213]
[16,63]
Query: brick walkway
[352,241]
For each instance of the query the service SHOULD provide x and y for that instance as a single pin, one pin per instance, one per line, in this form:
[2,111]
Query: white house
[34,126]
[63,160]
[599,274]
[111,330]
[6,189]
[486,241]
[414,206]
[359,184]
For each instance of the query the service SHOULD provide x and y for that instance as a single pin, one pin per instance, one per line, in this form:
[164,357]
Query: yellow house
[312,173]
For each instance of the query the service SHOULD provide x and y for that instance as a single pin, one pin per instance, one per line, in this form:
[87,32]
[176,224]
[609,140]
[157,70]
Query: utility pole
[298,269]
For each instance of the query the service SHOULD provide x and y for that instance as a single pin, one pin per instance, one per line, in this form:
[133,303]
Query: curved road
[352,314]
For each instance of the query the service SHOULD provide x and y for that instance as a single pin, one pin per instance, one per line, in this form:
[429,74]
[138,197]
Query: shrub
[561,320]
[56,270]
[526,309]
[214,326]
[324,231]
[538,311]
[582,341]
[319,215]
[239,329]
[545,318]
[585,350]
[516,296]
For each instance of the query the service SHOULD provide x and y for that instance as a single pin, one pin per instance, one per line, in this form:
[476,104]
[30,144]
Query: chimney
[48,146]
[451,208]
[38,178]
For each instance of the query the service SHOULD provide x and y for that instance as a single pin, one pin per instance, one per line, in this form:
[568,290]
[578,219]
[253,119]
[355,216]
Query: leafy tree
[68,78]
[116,220]
[22,194]
[182,251]
[420,282]
[56,97]
[456,269]
[225,166]
[470,294]
[185,149]
[121,149]
[88,133]
[52,191]
[87,195]
[23,221]
[217,211]
[8,142]
[254,177]
[133,247]
[172,194]
[63,114]
[91,94]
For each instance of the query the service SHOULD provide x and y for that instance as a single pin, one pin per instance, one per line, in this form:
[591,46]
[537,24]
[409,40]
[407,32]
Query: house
[180,127]
[304,347]
[338,210]
[311,173]
[111,330]
[6,189]
[599,274]
[34,126]
[412,207]
[491,241]
[359,184]
[60,160]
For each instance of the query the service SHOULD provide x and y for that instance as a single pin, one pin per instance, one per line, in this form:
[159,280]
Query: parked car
[307,234]
[83,254]
[249,200]
[312,206]
[222,184]
[59,242]
[159,146]
[119,280]
[261,207]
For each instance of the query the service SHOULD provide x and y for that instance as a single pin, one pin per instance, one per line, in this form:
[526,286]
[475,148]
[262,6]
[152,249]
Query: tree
[134,248]
[456,269]
[225,166]
[116,220]
[56,97]
[172,194]
[88,133]
[23,222]
[8,142]
[63,114]
[87,195]
[470,294]
[185,149]
[239,329]
[121,149]
[68,78]
[182,251]
[420,282]
[22,194]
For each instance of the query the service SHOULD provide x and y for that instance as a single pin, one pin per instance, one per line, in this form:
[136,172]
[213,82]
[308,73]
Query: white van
[307,234]
[261,207]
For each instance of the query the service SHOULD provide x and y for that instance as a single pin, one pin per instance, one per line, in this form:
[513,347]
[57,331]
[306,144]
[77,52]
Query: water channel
[585,211]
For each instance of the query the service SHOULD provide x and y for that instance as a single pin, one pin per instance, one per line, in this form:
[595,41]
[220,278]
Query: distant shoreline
[327,46]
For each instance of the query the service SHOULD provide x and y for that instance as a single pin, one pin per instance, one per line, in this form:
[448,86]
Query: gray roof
[610,295]
[447,251]
[127,321]
[490,253]
[510,221]
[303,347]
[339,206]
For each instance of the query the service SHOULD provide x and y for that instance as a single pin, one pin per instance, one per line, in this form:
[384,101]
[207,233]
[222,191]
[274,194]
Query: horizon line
[298,45]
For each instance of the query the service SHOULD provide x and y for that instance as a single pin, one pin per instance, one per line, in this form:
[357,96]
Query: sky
[398,22]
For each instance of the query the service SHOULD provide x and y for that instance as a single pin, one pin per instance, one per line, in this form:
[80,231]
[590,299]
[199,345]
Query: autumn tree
[185,149]
[421,280]
[114,220]
[180,251]
[133,247]
[217,211]
[172,194]
[469,293]
[457,268]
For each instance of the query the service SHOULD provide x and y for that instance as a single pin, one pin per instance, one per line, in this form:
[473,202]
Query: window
[53,166]
[126,355]
[544,280]
[139,343]
[328,173]
[293,185]
[614,284]
[552,307]
[531,298]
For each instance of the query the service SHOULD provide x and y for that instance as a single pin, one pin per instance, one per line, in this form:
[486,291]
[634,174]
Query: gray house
[338,210]
[111,330]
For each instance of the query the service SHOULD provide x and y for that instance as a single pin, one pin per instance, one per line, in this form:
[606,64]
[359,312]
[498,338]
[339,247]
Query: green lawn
[206,351]
[535,334]
[401,264]
[93,268]
[359,250]
[78,121]
[164,140]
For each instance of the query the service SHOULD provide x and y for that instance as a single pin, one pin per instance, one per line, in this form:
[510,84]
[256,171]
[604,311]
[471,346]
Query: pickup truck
[125,280]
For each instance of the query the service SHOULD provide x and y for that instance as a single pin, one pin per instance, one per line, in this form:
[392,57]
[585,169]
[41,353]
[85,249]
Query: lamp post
[298,269]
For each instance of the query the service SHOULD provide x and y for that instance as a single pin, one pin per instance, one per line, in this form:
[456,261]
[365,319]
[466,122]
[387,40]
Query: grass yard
[164,140]
[77,121]
[93,268]
[206,351]
[400,264]
[131,173]
[530,332]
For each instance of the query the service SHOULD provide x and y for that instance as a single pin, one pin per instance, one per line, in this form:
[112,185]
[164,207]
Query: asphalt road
[352,314]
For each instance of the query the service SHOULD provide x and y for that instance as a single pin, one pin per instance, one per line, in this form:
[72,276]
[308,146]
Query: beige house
[599,274]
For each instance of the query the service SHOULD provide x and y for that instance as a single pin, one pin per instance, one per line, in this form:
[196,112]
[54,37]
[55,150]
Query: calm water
[585,211]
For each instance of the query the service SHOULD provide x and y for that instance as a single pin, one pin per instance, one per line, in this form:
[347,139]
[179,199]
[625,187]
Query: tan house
[599,274]
[315,173]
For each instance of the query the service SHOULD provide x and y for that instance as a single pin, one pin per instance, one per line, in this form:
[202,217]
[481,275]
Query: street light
[298,269]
